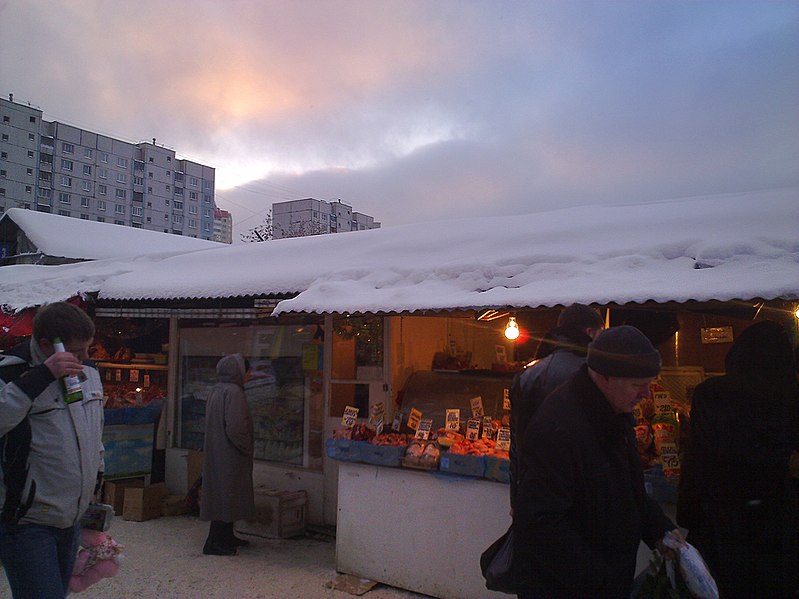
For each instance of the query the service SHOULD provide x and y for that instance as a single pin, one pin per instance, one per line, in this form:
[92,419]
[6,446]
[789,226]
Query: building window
[136,211]
[138,180]
[119,222]
[28,189]
[5,137]
[169,173]
[166,202]
[149,190]
[64,198]
[84,202]
[192,223]
[104,157]
[193,181]
[178,191]
[84,217]
[168,188]
[66,165]
[207,212]
[192,209]
[136,225]
[177,219]
[31,136]
[88,153]
[45,193]
[207,227]
[102,173]
[150,175]
[102,190]
[66,181]
[178,205]
[121,194]
[32,119]
[207,199]
[4,155]
[2,192]
[67,148]
[6,119]
[30,153]
[119,209]
[87,170]
[150,159]
[87,186]
[193,195]
[63,212]
[122,162]
[101,204]
[29,172]
[100,219]
[122,178]
[169,158]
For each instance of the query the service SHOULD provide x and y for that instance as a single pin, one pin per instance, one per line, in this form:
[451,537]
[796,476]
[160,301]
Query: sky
[423,110]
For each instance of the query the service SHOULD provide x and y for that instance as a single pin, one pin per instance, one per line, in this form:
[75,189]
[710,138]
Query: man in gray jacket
[52,452]
[561,354]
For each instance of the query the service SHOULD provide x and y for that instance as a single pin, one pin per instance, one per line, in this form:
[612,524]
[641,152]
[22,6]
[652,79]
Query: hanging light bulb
[512,329]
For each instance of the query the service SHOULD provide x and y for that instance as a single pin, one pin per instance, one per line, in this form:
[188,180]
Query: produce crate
[344,450]
[381,455]
[278,514]
[464,465]
[497,469]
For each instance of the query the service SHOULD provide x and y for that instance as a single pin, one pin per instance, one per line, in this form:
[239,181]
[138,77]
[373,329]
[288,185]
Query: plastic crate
[344,450]
[381,455]
[463,465]
[497,469]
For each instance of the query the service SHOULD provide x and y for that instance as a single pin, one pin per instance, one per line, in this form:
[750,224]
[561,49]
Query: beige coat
[227,492]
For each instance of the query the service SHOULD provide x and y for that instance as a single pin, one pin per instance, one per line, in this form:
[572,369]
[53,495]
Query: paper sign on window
[506,400]
[350,416]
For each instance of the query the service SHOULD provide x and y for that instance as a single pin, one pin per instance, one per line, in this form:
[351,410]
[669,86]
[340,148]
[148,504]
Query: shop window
[285,391]
[358,348]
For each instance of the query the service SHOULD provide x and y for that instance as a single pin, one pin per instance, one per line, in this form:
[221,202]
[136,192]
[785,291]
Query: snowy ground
[164,559]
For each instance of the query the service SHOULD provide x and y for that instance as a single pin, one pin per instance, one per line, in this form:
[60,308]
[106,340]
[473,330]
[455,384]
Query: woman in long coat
[227,492]
[737,497]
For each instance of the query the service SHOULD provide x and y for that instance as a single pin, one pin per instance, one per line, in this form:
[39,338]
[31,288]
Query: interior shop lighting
[512,329]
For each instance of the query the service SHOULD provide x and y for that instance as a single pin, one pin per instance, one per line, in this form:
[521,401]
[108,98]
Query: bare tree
[302,229]
[262,232]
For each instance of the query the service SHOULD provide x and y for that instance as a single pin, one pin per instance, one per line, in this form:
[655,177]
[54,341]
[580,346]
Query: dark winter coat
[736,496]
[564,349]
[227,491]
[582,509]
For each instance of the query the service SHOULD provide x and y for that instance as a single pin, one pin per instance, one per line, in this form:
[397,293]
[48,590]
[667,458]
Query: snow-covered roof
[738,246]
[75,238]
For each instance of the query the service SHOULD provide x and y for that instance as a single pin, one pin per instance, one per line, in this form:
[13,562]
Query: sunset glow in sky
[415,110]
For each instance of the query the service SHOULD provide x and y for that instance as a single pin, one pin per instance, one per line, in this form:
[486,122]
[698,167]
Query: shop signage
[717,335]
[506,399]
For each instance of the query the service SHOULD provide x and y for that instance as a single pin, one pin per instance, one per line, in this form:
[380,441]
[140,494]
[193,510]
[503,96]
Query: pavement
[163,559]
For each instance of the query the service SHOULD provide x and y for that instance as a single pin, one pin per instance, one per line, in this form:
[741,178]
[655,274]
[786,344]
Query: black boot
[218,541]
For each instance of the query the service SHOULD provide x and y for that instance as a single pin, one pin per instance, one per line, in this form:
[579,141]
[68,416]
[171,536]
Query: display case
[132,384]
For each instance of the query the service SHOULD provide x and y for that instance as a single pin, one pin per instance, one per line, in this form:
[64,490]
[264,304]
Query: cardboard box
[278,514]
[143,503]
[174,505]
[194,466]
[114,492]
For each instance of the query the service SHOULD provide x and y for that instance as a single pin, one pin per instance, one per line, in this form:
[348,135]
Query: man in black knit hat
[581,509]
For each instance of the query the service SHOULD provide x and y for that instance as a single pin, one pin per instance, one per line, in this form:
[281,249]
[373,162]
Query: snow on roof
[736,246]
[67,237]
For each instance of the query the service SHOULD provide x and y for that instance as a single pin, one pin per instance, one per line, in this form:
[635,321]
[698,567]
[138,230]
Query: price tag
[146,380]
[134,375]
[487,428]
[506,400]
[350,416]
[423,430]
[397,423]
[472,429]
[414,418]
[503,438]
[453,419]
[670,458]
[662,403]
[477,407]
[376,412]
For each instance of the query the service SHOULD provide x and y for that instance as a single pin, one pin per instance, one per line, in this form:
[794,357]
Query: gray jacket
[66,449]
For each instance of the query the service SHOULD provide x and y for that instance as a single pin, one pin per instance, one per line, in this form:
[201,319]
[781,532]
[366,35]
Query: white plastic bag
[693,568]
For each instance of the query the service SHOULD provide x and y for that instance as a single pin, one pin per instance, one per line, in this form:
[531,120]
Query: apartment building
[61,169]
[308,216]
[223,226]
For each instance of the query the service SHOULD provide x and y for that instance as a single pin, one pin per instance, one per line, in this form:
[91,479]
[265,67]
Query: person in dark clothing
[736,497]
[581,508]
[560,354]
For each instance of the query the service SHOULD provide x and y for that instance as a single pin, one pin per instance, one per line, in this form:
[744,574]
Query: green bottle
[73,390]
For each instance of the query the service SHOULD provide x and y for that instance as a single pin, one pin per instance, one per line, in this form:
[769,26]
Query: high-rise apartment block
[57,168]
[313,217]
[223,226]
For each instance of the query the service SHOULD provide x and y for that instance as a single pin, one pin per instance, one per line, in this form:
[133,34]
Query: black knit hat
[623,351]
